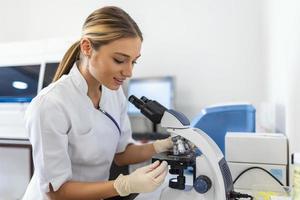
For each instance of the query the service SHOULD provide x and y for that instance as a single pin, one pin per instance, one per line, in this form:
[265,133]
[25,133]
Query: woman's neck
[94,87]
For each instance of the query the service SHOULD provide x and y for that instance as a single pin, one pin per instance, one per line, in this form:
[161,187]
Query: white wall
[13,20]
[213,47]
[284,62]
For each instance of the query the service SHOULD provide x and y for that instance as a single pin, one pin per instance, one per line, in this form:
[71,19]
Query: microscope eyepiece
[136,101]
[150,108]
[144,99]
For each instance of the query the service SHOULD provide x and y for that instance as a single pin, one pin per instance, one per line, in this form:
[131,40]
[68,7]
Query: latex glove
[163,145]
[144,179]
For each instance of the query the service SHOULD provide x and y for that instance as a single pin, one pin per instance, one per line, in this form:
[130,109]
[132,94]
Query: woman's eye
[118,61]
[133,62]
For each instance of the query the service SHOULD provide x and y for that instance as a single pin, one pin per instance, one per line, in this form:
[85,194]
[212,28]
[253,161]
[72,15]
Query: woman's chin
[113,87]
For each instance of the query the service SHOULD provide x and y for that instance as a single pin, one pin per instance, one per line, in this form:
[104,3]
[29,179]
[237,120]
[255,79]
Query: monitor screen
[160,89]
[19,83]
[50,69]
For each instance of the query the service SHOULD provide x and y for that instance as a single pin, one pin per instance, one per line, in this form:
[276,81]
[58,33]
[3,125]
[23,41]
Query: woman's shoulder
[51,96]
[60,87]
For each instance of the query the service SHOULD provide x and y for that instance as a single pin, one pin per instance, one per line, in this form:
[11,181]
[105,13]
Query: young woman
[78,125]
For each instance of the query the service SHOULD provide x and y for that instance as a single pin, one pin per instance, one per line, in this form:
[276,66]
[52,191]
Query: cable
[236,195]
[250,168]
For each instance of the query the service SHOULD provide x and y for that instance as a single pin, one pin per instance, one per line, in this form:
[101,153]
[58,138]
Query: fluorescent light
[20,85]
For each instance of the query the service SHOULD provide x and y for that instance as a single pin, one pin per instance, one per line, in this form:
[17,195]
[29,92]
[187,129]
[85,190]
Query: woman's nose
[127,72]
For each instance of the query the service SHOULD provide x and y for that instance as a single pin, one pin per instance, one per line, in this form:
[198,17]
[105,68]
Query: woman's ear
[86,47]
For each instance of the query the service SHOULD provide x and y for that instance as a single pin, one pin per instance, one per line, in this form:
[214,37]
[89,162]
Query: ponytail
[70,57]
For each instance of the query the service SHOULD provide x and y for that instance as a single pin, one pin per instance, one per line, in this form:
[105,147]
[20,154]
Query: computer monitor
[19,83]
[160,89]
[50,69]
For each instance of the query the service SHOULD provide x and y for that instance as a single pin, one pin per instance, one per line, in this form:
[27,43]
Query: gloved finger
[169,141]
[160,169]
[159,179]
[150,167]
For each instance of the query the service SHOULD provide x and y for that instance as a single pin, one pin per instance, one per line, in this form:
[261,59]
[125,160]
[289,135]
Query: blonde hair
[103,26]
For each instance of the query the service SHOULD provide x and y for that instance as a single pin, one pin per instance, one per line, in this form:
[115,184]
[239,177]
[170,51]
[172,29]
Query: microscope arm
[223,181]
[176,124]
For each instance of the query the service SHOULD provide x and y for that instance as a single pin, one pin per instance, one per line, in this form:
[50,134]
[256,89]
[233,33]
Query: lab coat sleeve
[47,126]
[126,133]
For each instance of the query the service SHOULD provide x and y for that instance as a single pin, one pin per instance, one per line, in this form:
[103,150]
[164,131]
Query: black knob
[202,184]
[174,171]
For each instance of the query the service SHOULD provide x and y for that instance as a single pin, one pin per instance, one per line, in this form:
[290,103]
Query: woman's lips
[119,81]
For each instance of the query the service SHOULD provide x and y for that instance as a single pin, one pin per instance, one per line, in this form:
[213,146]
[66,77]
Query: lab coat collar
[78,79]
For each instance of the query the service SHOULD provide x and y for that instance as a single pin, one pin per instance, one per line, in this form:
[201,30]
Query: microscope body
[211,175]
[210,164]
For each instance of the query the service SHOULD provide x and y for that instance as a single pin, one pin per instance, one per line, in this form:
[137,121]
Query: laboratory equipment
[296,176]
[19,83]
[211,175]
[261,155]
[217,120]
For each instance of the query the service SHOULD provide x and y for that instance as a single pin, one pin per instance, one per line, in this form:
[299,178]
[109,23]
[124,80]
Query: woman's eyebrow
[122,54]
[128,56]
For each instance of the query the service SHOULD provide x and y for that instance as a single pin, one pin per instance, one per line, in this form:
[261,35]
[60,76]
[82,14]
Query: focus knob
[202,184]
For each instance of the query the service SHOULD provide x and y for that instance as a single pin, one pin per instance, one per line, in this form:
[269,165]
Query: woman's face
[113,63]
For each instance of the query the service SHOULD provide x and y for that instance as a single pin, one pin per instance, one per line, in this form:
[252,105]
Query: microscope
[211,175]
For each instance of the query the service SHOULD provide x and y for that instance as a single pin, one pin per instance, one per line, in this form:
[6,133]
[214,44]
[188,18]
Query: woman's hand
[144,179]
[163,145]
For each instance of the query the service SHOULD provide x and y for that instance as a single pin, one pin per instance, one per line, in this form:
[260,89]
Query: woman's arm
[135,154]
[73,190]
[144,179]
[139,153]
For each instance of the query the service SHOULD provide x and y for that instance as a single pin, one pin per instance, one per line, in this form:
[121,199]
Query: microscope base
[189,193]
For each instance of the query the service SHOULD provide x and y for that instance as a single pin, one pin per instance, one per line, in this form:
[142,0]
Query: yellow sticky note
[264,195]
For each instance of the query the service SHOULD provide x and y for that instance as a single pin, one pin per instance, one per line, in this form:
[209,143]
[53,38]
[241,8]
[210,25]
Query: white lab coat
[71,139]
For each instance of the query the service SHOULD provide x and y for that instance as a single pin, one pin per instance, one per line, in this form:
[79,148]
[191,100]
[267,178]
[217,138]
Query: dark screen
[19,81]
[50,70]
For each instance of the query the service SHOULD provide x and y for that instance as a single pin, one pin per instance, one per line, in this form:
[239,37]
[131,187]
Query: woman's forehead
[125,46]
